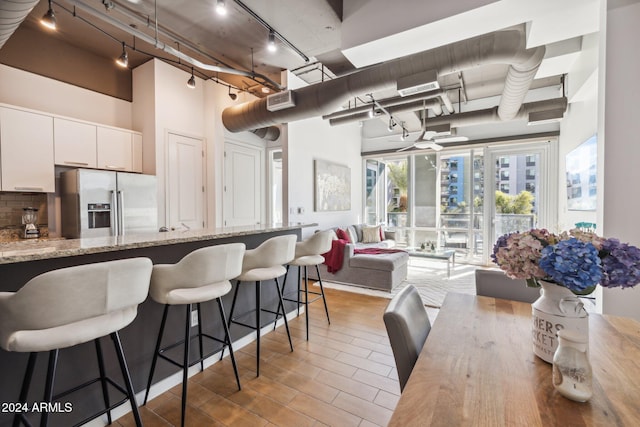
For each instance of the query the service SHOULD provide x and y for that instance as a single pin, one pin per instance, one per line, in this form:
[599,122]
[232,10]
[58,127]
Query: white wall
[579,123]
[175,107]
[621,203]
[36,92]
[215,101]
[162,103]
[315,139]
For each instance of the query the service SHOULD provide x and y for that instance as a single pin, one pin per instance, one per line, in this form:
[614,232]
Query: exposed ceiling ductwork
[492,115]
[391,102]
[432,104]
[12,13]
[502,47]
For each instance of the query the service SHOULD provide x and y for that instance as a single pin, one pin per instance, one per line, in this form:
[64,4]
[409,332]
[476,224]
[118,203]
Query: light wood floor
[343,376]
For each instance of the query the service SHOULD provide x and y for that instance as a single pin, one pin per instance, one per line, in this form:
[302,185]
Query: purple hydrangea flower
[621,264]
[572,263]
[500,243]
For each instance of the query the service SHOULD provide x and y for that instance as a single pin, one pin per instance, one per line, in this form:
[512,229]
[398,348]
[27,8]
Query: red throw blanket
[333,259]
[376,251]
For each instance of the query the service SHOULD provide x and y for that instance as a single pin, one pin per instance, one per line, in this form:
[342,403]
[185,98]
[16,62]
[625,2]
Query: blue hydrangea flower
[621,264]
[572,263]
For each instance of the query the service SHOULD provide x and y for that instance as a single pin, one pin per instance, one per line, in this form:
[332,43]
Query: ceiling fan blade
[452,139]
[427,135]
[405,148]
[428,144]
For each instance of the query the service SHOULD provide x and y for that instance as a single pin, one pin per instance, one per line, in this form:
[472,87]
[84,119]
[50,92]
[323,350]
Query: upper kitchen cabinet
[75,143]
[26,151]
[119,150]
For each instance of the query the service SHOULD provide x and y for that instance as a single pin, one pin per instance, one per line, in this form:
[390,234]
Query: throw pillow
[342,235]
[353,235]
[371,234]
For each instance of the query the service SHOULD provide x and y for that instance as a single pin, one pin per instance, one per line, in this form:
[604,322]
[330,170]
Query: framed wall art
[332,186]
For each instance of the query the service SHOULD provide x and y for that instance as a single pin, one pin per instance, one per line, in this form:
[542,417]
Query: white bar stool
[202,275]
[308,254]
[71,306]
[266,262]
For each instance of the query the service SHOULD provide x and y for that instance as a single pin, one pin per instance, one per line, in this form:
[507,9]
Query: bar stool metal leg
[200,336]
[227,337]
[185,365]
[127,378]
[157,351]
[103,378]
[48,388]
[284,314]
[324,300]
[306,299]
[258,310]
[24,390]
[298,295]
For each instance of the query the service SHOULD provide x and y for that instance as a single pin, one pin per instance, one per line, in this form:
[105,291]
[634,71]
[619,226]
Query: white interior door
[243,189]
[185,182]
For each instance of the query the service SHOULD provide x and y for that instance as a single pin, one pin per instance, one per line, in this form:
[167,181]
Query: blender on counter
[29,220]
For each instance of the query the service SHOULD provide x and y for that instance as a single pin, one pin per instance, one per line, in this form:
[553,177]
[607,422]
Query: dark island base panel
[79,364]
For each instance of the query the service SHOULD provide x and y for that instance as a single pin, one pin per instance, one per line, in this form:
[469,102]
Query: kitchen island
[23,260]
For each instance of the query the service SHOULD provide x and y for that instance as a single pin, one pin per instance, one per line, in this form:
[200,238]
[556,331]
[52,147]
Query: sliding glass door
[443,199]
[524,195]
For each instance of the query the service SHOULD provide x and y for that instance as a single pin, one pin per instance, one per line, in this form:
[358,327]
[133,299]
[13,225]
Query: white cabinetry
[74,143]
[136,154]
[26,151]
[115,149]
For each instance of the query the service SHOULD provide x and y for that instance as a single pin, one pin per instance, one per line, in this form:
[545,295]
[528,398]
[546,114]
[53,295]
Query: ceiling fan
[430,139]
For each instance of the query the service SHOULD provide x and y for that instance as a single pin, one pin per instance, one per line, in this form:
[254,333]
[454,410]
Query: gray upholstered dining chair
[408,326]
[495,283]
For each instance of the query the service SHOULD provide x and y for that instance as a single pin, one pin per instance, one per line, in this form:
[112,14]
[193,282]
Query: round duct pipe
[433,104]
[12,13]
[491,115]
[270,133]
[502,47]
[390,102]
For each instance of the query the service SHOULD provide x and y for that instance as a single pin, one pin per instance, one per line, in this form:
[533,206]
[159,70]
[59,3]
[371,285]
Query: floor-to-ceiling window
[442,199]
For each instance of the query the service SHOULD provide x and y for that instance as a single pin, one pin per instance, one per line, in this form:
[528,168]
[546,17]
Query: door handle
[121,212]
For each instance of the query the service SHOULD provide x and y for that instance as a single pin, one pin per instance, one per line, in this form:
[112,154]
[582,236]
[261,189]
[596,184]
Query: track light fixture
[123,59]
[392,124]
[233,96]
[271,45]
[405,132]
[221,8]
[49,18]
[372,112]
[191,83]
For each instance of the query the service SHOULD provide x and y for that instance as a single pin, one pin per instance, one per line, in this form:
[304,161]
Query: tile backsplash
[11,205]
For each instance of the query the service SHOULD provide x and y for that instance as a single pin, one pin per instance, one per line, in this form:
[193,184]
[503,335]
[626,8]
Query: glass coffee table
[448,255]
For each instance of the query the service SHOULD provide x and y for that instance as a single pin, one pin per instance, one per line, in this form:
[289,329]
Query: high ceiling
[321,39]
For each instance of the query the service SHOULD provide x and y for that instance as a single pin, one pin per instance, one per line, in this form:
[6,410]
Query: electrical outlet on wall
[194,318]
[300,210]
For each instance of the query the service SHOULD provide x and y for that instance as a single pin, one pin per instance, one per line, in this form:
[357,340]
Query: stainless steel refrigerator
[96,203]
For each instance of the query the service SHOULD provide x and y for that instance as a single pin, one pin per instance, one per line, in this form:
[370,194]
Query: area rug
[429,277]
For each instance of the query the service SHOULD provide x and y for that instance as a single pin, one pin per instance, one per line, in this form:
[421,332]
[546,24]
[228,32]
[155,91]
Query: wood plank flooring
[343,376]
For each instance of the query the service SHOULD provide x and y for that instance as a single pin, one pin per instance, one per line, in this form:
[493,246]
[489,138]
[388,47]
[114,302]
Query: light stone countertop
[31,250]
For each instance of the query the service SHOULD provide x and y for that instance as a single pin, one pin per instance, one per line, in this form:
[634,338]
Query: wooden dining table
[478,368]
